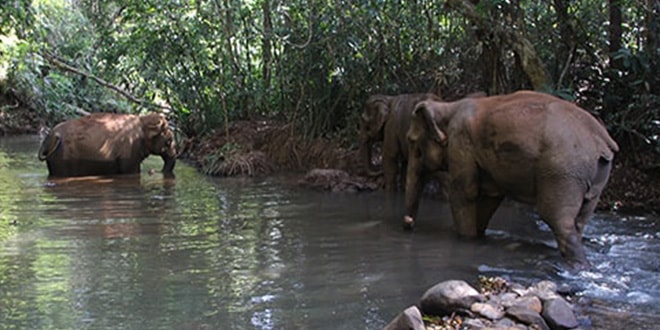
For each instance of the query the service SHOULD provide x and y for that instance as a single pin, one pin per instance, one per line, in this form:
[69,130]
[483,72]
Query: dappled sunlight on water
[196,252]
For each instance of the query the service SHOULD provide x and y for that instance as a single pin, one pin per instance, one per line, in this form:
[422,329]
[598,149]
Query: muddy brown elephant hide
[107,144]
[531,147]
[386,119]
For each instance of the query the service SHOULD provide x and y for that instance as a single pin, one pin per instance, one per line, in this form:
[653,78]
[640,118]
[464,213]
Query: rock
[450,296]
[409,319]
[559,314]
[527,316]
[473,324]
[334,180]
[505,323]
[545,290]
[508,299]
[531,302]
[487,310]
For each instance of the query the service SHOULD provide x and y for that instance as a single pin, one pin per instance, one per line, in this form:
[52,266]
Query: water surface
[195,252]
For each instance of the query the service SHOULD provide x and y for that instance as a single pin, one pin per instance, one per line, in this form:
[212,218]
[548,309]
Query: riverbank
[634,185]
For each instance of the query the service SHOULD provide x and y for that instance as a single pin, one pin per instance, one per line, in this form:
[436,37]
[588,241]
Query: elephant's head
[372,122]
[159,139]
[427,138]
[427,150]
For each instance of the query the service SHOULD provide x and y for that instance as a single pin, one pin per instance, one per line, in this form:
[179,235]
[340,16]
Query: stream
[199,252]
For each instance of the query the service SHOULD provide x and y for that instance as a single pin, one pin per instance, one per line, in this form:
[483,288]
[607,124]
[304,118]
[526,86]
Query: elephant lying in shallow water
[531,147]
[387,118]
[106,144]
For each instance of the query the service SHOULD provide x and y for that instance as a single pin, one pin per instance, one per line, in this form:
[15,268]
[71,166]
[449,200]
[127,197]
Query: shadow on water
[147,252]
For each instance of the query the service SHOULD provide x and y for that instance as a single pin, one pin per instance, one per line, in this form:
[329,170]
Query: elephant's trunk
[365,157]
[414,186]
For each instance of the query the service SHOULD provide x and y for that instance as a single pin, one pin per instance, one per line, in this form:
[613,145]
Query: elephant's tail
[607,147]
[49,145]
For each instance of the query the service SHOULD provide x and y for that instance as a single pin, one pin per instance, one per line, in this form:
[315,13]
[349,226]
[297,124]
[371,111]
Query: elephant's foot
[574,252]
[579,265]
[408,222]
[577,260]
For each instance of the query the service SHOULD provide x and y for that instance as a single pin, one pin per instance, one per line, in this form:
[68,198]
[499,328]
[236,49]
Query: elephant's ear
[424,112]
[153,124]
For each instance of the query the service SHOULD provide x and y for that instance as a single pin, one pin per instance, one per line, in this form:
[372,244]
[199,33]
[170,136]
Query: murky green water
[196,252]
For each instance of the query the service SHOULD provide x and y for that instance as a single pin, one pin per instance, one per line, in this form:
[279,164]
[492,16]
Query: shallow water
[196,252]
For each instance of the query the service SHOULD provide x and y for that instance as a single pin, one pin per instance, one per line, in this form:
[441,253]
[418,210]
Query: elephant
[386,118]
[107,144]
[528,146]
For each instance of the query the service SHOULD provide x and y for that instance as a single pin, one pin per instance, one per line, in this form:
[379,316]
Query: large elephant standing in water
[531,147]
[387,118]
[106,144]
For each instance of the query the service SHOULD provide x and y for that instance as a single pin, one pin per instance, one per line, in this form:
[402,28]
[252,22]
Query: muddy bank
[15,118]
[634,184]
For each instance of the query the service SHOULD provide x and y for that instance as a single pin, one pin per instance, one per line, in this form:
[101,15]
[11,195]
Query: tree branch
[55,61]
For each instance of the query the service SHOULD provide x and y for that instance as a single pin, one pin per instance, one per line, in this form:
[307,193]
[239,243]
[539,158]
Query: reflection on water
[194,252]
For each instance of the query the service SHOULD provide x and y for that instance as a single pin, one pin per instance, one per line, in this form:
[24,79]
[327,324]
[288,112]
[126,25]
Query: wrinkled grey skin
[107,144]
[387,118]
[531,147]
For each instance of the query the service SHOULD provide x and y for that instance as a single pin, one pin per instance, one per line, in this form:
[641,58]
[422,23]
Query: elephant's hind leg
[592,196]
[559,205]
[586,211]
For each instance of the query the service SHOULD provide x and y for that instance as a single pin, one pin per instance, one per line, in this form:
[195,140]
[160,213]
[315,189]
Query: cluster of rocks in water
[500,305]
[336,181]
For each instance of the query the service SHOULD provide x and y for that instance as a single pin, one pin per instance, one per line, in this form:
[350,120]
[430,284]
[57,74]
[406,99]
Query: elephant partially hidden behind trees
[531,147]
[387,118]
[107,144]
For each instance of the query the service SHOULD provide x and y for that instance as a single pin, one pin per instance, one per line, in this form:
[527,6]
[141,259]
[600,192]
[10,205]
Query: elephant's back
[587,129]
[110,122]
[96,135]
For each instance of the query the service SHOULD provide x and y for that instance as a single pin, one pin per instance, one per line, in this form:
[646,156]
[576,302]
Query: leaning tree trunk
[530,61]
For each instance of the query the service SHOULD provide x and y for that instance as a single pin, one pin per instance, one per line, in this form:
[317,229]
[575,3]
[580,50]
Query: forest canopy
[314,62]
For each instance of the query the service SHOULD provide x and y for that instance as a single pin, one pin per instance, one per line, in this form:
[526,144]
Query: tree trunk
[616,31]
[652,36]
[265,44]
[567,42]
[529,60]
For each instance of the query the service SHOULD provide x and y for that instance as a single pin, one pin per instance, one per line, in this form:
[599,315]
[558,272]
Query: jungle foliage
[314,62]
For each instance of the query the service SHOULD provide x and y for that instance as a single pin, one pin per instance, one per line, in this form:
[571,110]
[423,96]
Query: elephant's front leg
[391,154]
[486,206]
[389,171]
[464,199]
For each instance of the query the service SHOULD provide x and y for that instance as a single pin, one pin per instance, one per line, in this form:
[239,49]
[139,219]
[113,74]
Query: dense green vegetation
[315,62]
